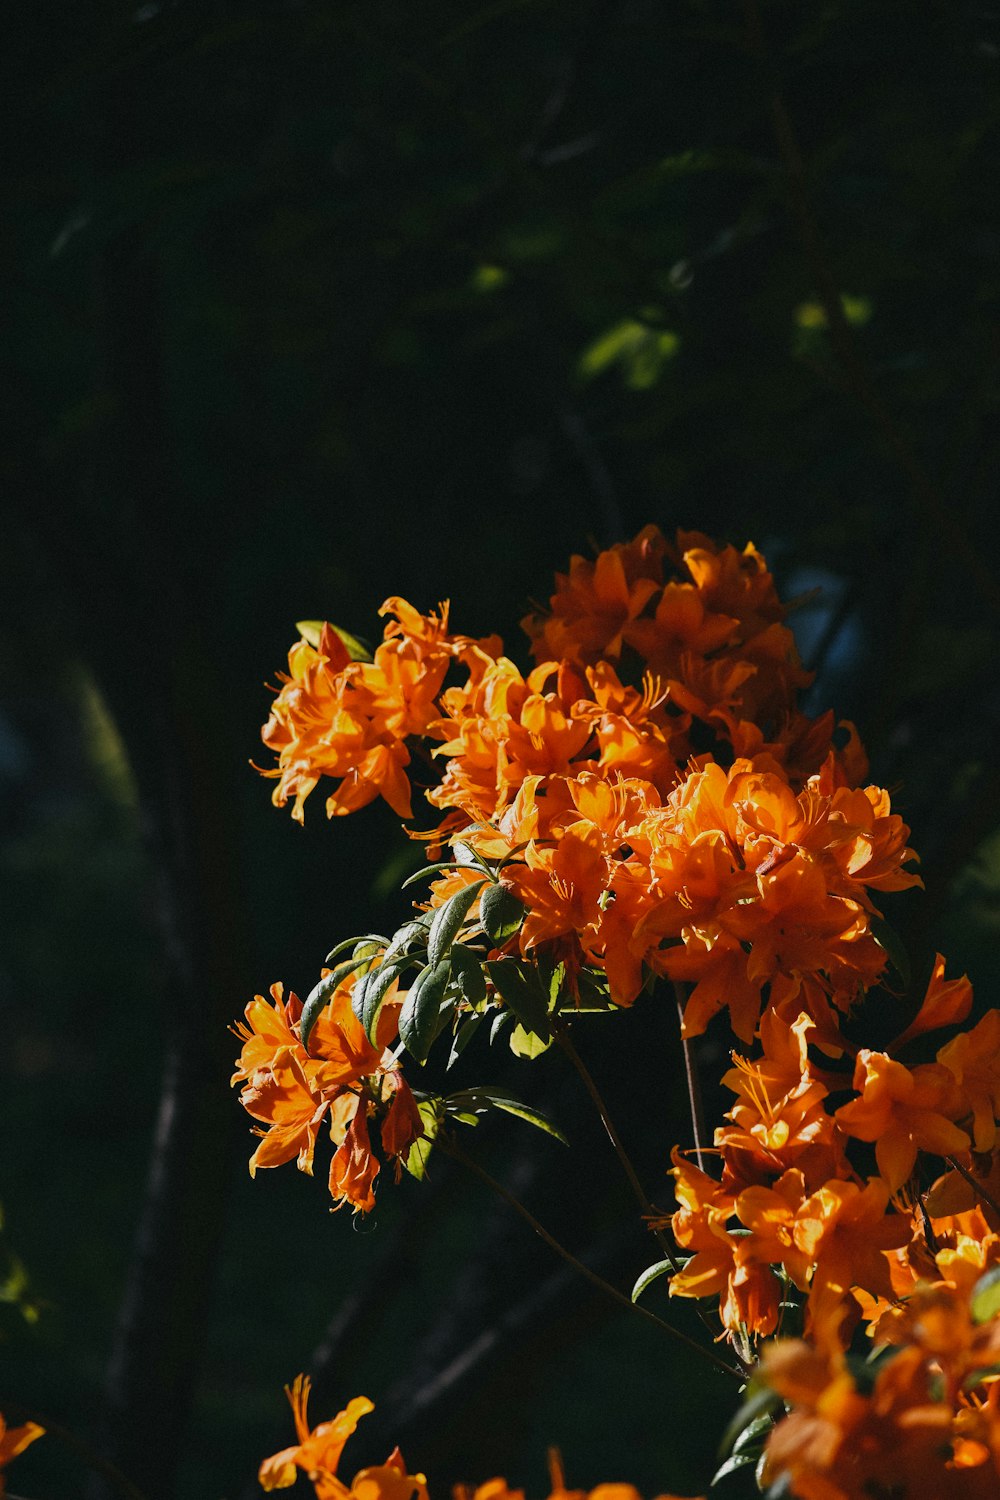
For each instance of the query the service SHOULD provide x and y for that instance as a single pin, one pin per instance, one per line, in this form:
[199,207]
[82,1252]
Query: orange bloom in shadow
[318,1454]
[13,1441]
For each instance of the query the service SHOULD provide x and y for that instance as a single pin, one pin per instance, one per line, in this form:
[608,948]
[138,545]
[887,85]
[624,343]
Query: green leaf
[520,988]
[311,630]
[467,968]
[425,870]
[733,1463]
[410,932]
[650,1274]
[527,1044]
[448,921]
[316,1001]
[482,1099]
[502,1019]
[464,1035]
[761,1403]
[416,1158]
[378,984]
[465,855]
[420,1015]
[753,1435]
[340,973]
[889,939]
[356,943]
[500,912]
[985,1300]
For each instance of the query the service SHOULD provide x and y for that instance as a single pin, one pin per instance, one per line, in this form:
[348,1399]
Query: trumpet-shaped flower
[903,1111]
[318,1453]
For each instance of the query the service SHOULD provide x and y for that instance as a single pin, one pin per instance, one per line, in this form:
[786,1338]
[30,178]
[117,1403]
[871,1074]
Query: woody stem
[86,1455]
[449,1147]
[562,1037]
[974,1183]
[693,1082]
[649,1212]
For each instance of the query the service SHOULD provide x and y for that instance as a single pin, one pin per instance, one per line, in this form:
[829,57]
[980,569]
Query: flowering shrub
[648,808]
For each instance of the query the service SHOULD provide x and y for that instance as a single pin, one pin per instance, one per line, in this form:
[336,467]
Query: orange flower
[973,1059]
[843,1230]
[349,719]
[760,884]
[779,1119]
[354,1166]
[318,1454]
[945,1003]
[903,1111]
[14,1440]
[595,600]
[291,1091]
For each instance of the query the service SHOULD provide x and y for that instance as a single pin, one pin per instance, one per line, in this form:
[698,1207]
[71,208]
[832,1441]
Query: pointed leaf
[404,937]
[985,1300]
[348,967]
[448,921]
[311,631]
[500,912]
[759,1403]
[419,1017]
[377,987]
[316,1001]
[520,988]
[502,1019]
[356,943]
[425,870]
[467,968]
[465,855]
[464,1035]
[650,1274]
[416,1158]
[753,1436]
[527,1044]
[482,1099]
[733,1463]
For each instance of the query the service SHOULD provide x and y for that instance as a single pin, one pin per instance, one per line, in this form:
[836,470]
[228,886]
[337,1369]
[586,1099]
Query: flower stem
[562,1037]
[693,1082]
[448,1146]
[974,1183]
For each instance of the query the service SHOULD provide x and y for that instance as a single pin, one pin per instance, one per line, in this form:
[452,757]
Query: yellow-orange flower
[973,1059]
[903,1111]
[318,1454]
[343,1075]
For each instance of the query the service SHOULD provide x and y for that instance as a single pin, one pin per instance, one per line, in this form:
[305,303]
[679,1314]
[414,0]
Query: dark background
[312,303]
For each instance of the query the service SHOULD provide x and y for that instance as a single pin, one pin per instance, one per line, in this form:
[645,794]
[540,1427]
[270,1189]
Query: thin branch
[449,1147]
[974,1183]
[930,501]
[649,1212]
[693,1082]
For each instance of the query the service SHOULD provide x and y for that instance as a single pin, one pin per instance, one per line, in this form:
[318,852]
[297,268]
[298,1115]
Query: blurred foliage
[316,302]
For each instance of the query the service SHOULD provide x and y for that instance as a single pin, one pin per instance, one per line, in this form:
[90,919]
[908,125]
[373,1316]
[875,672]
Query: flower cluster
[922,1421]
[318,1453]
[657,800]
[342,1075]
[647,804]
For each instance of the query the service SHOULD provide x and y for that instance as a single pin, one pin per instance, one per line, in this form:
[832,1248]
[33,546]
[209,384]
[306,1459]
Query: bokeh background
[311,302]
